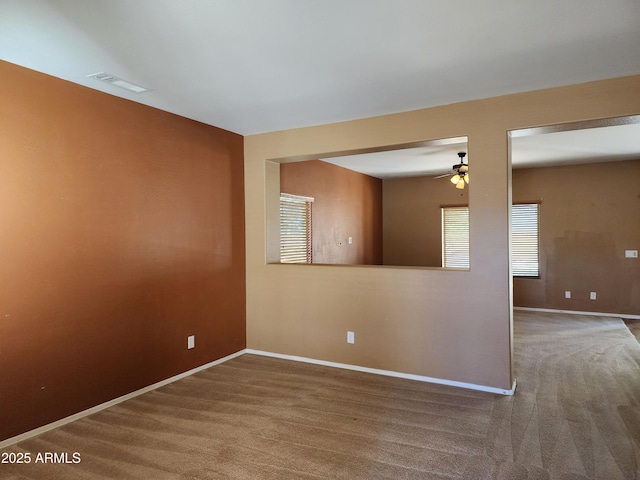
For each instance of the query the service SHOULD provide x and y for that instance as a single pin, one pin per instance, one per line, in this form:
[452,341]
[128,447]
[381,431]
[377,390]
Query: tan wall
[122,234]
[346,204]
[590,214]
[412,219]
[586,224]
[402,317]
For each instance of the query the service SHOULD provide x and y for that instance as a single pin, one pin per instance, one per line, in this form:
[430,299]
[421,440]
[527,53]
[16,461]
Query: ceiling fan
[460,172]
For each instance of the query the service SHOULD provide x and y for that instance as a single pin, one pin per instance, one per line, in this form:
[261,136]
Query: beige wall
[590,214]
[411,219]
[402,317]
[586,224]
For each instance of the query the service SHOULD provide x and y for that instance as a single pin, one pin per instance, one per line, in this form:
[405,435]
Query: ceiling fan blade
[443,175]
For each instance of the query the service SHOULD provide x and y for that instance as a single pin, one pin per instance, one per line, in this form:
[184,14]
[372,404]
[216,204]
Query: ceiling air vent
[118,82]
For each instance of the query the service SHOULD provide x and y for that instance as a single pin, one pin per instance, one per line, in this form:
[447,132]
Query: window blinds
[455,237]
[524,240]
[295,229]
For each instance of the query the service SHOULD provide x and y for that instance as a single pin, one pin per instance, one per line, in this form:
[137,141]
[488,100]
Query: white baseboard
[389,373]
[578,312]
[76,416]
[111,403]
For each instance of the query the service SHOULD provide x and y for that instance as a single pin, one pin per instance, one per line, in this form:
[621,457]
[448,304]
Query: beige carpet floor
[576,415]
[634,328]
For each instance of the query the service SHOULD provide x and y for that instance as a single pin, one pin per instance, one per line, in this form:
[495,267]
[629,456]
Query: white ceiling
[571,147]
[254,66]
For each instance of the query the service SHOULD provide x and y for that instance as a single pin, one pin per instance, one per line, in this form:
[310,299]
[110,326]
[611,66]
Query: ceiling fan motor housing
[461,167]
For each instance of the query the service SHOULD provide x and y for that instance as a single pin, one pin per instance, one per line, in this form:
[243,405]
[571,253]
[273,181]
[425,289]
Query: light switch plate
[191,341]
[631,254]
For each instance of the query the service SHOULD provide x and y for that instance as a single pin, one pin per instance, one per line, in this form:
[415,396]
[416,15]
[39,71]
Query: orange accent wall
[121,233]
[346,204]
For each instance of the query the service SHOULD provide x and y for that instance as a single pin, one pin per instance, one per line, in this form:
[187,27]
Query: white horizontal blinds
[455,237]
[524,240]
[295,229]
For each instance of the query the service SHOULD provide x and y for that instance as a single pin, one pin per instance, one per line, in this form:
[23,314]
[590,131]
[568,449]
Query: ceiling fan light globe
[466,178]
[455,179]
[460,184]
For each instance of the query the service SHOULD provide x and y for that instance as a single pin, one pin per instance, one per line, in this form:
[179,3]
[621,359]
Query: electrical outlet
[351,337]
[191,342]
[567,294]
[351,241]
[592,296]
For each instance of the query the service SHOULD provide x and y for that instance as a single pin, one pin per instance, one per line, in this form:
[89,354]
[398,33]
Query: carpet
[575,415]
[634,328]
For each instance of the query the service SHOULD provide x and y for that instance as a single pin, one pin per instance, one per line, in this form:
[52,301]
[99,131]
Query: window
[524,239]
[295,229]
[455,237]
